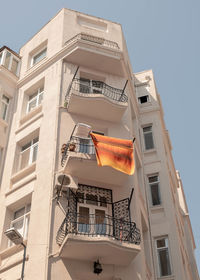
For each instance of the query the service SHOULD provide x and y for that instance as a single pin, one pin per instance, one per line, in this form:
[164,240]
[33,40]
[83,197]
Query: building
[75,217]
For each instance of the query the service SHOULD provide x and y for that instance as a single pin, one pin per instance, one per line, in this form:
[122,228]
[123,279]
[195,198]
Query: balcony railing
[93,39]
[97,87]
[94,225]
[77,145]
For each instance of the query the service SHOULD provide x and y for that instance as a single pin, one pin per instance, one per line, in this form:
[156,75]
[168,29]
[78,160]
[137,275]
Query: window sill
[8,253]
[150,151]
[31,114]
[19,185]
[23,173]
[170,277]
[12,250]
[3,123]
[157,209]
[36,64]
[146,104]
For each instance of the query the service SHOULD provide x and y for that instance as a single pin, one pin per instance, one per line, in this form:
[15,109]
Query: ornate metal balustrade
[94,225]
[97,87]
[77,145]
[93,39]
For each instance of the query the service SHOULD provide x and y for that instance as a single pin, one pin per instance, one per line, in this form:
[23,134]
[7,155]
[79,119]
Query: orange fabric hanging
[114,152]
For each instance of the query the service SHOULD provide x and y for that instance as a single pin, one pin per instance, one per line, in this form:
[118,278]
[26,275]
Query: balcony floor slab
[85,166]
[106,249]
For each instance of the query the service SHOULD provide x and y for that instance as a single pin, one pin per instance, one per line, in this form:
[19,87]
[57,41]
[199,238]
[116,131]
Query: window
[155,190]
[93,209]
[86,146]
[35,99]
[163,257]
[90,86]
[143,93]
[10,61]
[7,60]
[38,56]
[143,99]
[4,107]
[21,219]
[148,137]
[28,153]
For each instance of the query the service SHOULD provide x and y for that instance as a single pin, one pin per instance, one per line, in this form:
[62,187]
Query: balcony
[113,241]
[96,53]
[79,160]
[96,99]
[9,60]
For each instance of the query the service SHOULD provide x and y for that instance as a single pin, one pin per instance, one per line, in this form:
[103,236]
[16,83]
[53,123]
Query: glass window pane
[147,128]
[26,226]
[33,95]
[40,98]
[19,213]
[161,243]
[32,104]
[4,108]
[14,66]
[83,223]
[25,158]
[35,150]
[155,194]
[165,268]
[148,138]
[35,140]
[84,85]
[5,99]
[153,179]
[91,199]
[103,201]
[26,146]
[39,56]
[97,86]
[7,60]
[100,222]
[28,208]
[19,225]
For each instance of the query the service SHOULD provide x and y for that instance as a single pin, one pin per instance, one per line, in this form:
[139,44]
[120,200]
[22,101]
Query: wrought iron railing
[93,39]
[77,145]
[98,87]
[94,225]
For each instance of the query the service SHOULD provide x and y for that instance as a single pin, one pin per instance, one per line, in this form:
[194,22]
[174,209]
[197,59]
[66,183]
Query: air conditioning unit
[66,181]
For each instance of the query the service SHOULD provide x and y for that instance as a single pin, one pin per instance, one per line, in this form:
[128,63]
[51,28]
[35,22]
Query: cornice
[38,68]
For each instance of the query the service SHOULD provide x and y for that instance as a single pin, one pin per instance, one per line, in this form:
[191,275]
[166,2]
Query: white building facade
[78,220]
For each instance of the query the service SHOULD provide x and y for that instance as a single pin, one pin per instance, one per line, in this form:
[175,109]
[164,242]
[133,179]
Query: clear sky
[162,35]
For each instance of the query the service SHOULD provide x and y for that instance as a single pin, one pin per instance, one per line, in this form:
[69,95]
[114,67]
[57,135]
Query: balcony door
[92,221]
[94,210]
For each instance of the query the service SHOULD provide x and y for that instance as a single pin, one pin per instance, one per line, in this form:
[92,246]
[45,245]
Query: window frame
[31,152]
[148,99]
[92,206]
[25,217]
[98,203]
[152,137]
[150,189]
[37,53]
[92,88]
[6,104]
[12,56]
[166,247]
[39,92]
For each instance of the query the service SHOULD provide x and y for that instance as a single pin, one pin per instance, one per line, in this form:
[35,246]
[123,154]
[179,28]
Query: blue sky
[161,35]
